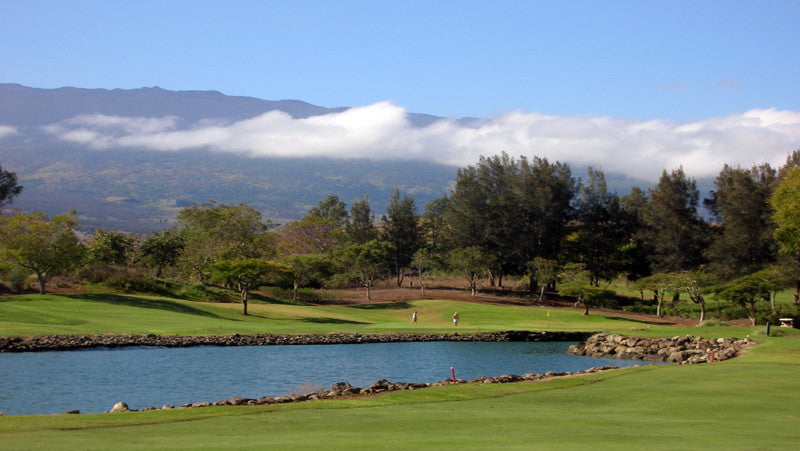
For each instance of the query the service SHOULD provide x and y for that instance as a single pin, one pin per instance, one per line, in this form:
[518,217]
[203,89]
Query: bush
[134,282]
[639,307]
[682,310]
[16,277]
[98,273]
[342,281]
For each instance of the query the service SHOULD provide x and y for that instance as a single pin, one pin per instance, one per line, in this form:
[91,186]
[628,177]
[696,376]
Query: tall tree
[111,248]
[660,284]
[637,249]
[360,226]
[222,232]
[600,232]
[576,281]
[433,224]
[400,227]
[785,201]
[243,274]
[302,269]
[747,292]
[162,249]
[330,208]
[368,261]
[46,246]
[544,272]
[740,202]
[471,262]
[513,210]
[310,235]
[792,161]
[673,227]
[8,187]
[695,284]
[545,206]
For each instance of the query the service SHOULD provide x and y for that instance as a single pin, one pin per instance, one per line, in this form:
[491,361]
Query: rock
[72,412]
[119,407]
[237,401]
[676,349]
[167,407]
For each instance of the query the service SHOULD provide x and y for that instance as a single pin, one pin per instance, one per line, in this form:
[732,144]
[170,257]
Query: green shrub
[342,281]
[130,282]
[16,277]
[639,307]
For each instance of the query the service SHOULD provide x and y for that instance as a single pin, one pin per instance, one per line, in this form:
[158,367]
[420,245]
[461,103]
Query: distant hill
[140,190]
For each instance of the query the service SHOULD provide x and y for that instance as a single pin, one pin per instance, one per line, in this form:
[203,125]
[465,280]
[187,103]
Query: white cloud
[7,130]
[640,149]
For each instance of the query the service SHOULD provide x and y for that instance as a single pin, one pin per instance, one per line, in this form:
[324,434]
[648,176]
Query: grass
[114,313]
[745,403]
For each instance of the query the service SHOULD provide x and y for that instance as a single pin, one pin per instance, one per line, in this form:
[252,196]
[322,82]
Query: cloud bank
[639,149]
[7,130]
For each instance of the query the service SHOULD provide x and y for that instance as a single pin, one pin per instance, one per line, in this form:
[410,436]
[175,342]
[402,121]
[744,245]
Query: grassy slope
[741,404]
[109,313]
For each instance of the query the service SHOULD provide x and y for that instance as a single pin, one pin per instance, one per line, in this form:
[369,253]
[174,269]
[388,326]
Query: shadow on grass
[399,305]
[159,304]
[331,321]
[640,321]
[266,299]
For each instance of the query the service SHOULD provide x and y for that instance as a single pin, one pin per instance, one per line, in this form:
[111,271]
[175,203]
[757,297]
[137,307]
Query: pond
[94,380]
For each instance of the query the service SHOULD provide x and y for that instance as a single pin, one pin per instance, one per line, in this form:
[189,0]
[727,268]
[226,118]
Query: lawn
[114,313]
[745,403]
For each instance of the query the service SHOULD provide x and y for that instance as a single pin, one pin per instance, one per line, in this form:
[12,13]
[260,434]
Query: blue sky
[677,62]
[639,59]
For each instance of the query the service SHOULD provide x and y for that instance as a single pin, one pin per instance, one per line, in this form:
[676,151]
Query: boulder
[340,386]
[119,407]
[237,401]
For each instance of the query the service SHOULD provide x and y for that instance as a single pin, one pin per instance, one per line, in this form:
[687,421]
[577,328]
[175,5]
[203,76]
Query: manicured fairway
[746,403]
[101,313]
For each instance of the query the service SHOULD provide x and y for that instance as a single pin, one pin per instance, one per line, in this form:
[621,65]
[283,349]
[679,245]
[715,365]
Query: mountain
[22,106]
[139,190]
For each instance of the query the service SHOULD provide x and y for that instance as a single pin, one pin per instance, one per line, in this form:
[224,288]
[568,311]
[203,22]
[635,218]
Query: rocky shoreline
[71,342]
[344,389]
[682,350]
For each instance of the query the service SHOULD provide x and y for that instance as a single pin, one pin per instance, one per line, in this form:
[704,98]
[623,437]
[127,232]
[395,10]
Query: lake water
[94,380]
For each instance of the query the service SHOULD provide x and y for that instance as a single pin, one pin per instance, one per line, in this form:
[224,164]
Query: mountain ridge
[139,190]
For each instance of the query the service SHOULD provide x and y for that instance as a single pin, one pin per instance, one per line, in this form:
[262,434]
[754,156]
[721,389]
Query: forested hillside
[139,190]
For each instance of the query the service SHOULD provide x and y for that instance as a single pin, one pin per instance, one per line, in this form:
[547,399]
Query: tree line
[505,217]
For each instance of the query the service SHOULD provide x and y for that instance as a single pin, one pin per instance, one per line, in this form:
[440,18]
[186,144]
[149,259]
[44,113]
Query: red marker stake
[453,374]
